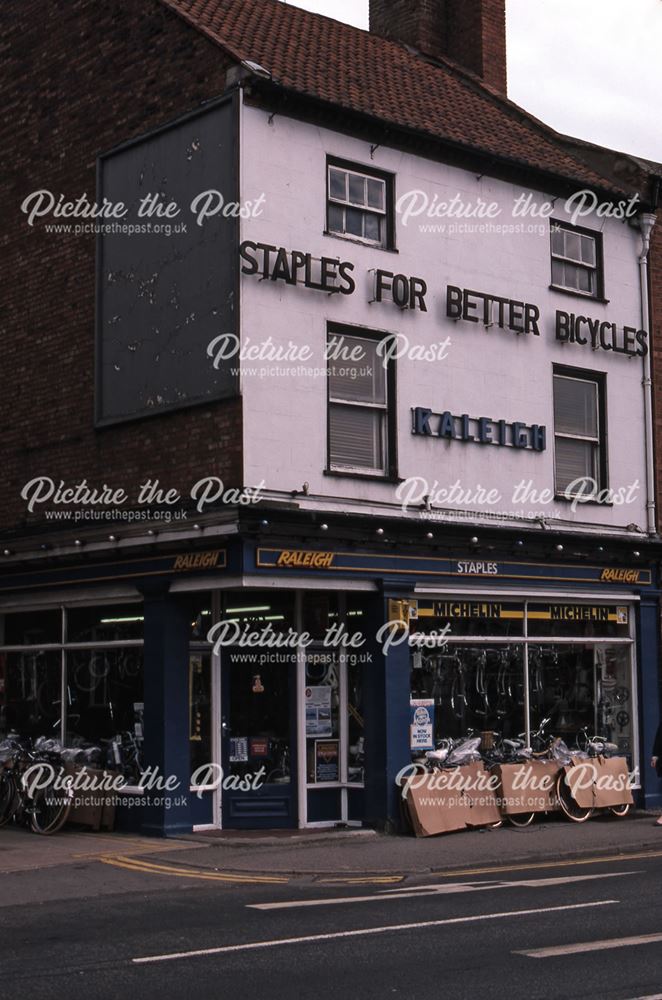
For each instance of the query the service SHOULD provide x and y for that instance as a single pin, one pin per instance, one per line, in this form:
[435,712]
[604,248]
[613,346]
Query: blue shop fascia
[275,668]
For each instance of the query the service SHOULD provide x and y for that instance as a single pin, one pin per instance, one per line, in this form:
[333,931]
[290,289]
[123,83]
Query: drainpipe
[646,223]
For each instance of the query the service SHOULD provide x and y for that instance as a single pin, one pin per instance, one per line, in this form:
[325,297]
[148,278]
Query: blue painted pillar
[387,680]
[648,651]
[166,694]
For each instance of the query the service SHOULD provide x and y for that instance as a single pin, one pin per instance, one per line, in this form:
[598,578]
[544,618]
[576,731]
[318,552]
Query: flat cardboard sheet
[528,786]
[599,782]
[465,801]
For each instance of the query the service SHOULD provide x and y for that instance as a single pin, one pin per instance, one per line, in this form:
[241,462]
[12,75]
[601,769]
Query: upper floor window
[579,436]
[360,405]
[577,260]
[359,204]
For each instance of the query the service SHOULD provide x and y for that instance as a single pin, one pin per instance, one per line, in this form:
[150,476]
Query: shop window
[102,686]
[31,628]
[583,688]
[104,694]
[472,686]
[579,433]
[359,204]
[257,610]
[359,609]
[355,723]
[320,614]
[200,710]
[105,623]
[30,693]
[580,672]
[360,405]
[576,260]
[201,617]
[322,711]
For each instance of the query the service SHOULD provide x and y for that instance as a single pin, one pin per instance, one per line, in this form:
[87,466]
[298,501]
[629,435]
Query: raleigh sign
[481,430]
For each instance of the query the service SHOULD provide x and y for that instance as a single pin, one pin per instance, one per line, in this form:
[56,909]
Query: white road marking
[583,946]
[448,888]
[364,931]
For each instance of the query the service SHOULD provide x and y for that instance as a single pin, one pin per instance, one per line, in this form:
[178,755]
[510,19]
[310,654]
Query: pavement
[315,854]
[23,851]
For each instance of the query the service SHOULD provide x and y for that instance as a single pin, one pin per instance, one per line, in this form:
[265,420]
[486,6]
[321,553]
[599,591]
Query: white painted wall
[487,373]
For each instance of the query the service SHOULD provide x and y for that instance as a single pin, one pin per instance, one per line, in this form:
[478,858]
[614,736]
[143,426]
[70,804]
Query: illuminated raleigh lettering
[196,560]
[312,560]
[612,575]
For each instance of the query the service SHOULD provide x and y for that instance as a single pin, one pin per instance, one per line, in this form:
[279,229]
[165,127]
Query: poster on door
[421,727]
[318,711]
[327,761]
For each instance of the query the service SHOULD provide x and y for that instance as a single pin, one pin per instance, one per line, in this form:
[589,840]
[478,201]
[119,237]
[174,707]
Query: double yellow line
[151,868]
[566,863]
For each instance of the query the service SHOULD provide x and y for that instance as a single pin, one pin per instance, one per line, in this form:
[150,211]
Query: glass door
[258,742]
[334,736]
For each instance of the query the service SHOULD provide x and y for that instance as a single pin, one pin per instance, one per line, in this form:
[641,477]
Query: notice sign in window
[327,761]
[421,729]
[318,711]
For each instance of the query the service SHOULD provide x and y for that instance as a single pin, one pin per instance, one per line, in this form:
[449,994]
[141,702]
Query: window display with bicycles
[507,666]
[73,677]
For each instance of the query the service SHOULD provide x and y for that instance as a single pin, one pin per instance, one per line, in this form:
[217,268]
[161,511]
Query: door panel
[259,739]
[334,738]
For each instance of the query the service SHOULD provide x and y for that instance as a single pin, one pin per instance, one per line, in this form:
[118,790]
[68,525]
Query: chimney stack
[470,32]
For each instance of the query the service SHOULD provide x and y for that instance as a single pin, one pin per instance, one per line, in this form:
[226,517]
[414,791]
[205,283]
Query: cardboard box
[481,793]
[95,809]
[528,786]
[452,799]
[599,782]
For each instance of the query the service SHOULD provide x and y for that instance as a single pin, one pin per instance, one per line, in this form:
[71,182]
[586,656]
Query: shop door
[258,741]
[334,741]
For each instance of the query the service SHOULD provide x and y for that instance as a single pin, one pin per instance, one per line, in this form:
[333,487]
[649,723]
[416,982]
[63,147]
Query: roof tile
[353,69]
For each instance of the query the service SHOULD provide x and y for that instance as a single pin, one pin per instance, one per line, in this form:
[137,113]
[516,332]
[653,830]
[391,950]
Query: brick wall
[477,38]
[83,76]
[471,32]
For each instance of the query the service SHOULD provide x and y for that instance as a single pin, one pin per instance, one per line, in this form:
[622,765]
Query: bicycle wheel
[620,811]
[520,819]
[572,811]
[9,798]
[49,811]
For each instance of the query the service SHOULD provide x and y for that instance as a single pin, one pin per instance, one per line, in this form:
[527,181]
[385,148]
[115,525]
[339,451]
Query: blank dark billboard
[168,287]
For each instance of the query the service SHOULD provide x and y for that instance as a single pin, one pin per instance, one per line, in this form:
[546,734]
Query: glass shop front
[507,665]
[282,720]
[74,675]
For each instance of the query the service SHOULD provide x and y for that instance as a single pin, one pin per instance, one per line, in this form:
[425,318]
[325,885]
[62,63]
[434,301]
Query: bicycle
[449,754]
[46,811]
[124,756]
[509,751]
[588,747]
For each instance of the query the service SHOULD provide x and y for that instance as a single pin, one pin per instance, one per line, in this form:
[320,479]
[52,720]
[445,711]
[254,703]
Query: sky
[589,68]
